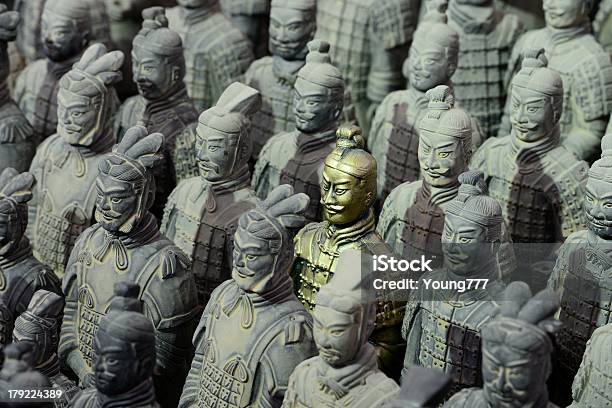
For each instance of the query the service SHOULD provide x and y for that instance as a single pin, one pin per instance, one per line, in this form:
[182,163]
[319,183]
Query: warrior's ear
[176,73]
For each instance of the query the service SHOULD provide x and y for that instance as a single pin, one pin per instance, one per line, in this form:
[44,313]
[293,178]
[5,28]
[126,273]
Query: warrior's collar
[562,35]
[101,143]
[240,180]
[525,153]
[58,69]
[16,253]
[5,94]
[196,15]
[176,97]
[339,381]
[139,396]
[473,19]
[601,245]
[437,195]
[286,71]
[50,368]
[141,234]
[339,234]
[310,142]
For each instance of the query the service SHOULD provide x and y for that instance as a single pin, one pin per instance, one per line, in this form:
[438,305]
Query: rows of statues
[195,196]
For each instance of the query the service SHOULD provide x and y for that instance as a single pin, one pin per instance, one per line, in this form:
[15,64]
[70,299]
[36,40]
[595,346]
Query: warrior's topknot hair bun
[534,58]
[9,20]
[350,137]
[440,98]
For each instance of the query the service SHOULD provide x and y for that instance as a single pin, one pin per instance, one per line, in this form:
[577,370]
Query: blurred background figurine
[602,25]
[292,27]
[202,212]
[66,164]
[252,17]
[296,158]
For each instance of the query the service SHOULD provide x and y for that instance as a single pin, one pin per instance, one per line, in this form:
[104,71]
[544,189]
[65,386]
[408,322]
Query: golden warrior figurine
[348,191]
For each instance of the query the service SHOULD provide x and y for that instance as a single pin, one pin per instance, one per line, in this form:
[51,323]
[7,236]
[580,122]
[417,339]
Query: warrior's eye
[325,186]
[608,205]
[116,200]
[464,240]
[341,191]
[336,332]
[77,114]
[589,198]
[111,361]
[443,155]
[251,257]
[533,109]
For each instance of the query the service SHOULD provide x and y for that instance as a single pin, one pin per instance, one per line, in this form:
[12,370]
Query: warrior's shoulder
[305,236]
[561,164]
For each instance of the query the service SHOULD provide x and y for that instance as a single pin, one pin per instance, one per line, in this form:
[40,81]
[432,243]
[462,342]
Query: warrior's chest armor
[68,388]
[64,213]
[450,339]
[586,303]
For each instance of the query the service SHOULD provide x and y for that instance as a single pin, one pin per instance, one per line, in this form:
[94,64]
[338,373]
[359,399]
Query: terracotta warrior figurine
[487,36]
[292,27]
[39,325]
[602,25]
[66,164]
[17,144]
[21,275]
[412,217]
[216,51]
[585,69]
[582,274]
[348,191]
[162,104]
[516,350]
[535,178]
[17,359]
[124,355]
[252,17]
[369,41]
[592,383]
[65,33]
[297,157]
[345,373]
[254,331]
[470,244]
[394,137]
[202,212]
[125,245]
[529,12]
[422,388]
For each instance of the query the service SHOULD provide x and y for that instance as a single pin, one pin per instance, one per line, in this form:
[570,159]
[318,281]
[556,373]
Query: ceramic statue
[202,212]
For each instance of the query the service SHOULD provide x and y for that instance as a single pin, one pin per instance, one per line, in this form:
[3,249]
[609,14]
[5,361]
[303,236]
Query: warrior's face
[512,379]
[345,198]
[154,75]
[598,207]
[315,107]
[565,13]
[441,158]
[116,367]
[336,335]
[62,37]
[464,245]
[290,31]
[253,262]
[216,153]
[77,117]
[532,114]
[117,203]
[427,66]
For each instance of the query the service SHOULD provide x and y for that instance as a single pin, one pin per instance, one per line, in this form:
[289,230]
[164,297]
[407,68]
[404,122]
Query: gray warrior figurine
[470,244]
[21,275]
[394,137]
[412,217]
[17,359]
[345,373]
[487,36]
[348,191]
[582,273]
[292,26]
[65,33]
[369,41]
[602,25]
[529,12]
[124,355]
[591,386]
[254,331]
[297,157]
[585,69]
[66,164]
[162,104]
[216,51]
[202,212]
[252,17]
[17,144]
[516,349]
[125,245]
[39,325]
[535,178]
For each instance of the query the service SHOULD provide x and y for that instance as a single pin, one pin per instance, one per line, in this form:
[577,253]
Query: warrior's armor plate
[252,370]
[483,61]
[6,324]
[276,113]
[202,222]
[296,159]
[474,398]
[20,276]
[36,94]
[68,388]
[353,28]
[216,52]
[151,261]
[17,142]
[445,333]
[541,197]
[58,214]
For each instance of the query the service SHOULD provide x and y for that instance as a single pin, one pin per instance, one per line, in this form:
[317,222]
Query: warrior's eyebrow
[445,145]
